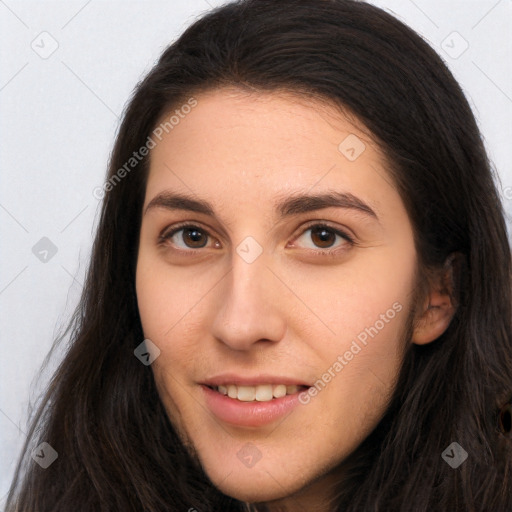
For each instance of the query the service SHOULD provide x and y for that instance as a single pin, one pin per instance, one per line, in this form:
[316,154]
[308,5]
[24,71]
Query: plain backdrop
[67,70]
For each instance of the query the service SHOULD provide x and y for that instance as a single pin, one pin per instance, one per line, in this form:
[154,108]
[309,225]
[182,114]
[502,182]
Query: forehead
[266,121]
[255,147]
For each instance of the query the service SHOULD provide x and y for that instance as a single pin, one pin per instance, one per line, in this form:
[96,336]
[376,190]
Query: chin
[257,484]
[248,491]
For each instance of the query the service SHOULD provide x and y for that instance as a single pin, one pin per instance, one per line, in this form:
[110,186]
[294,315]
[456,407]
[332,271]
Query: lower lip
[248,414]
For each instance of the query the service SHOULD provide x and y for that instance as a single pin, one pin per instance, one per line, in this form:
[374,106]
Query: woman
[299,293]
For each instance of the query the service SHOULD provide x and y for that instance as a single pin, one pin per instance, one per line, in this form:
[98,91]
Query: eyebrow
[285,207]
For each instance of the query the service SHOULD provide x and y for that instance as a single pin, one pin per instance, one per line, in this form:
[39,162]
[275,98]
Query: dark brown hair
[102,414]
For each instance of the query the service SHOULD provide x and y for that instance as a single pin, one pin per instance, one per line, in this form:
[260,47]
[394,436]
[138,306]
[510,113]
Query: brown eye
[323,237]
[187,237]
[194,238]
[319,236]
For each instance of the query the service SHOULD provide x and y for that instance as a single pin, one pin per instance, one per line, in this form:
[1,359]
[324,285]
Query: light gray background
[59,115]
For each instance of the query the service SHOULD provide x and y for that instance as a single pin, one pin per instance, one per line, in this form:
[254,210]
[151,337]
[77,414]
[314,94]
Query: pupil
[195,236]
[326,237]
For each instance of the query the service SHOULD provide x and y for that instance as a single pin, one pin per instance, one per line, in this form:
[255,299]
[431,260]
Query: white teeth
[232,391]
[246,393]
[262,393]
[279,391]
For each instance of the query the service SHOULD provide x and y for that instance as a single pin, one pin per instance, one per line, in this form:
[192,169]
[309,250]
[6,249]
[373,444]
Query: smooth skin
[294,309]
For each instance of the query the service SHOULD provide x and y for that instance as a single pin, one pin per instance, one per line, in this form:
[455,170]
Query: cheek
[359,349]
[365,299]
[175,307]
[167,297]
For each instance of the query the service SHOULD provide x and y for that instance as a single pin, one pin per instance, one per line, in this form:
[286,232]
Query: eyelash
[166,236]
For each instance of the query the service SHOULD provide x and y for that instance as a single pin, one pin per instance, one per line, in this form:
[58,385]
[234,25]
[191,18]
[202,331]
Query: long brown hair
[117,450]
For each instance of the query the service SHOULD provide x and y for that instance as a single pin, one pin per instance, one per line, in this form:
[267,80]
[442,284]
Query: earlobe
[435,319]
[438,308]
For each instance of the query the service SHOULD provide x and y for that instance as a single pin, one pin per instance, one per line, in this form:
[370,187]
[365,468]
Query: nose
[251,308]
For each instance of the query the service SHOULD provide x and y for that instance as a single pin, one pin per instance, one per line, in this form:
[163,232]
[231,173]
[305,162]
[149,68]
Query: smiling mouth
[261,393]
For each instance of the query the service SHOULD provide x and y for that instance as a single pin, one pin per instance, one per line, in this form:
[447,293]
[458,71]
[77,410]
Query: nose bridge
[249,272]
[249,311]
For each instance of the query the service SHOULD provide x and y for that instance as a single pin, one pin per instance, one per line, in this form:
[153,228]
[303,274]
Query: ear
[438,307]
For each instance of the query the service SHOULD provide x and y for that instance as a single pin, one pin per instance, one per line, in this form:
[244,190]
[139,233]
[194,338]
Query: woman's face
[286,265]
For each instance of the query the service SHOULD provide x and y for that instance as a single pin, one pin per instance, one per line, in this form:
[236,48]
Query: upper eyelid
[169,231]
[337,230]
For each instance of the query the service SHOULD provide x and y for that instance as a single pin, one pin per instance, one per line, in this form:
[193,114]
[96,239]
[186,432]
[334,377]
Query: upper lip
[239,380]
